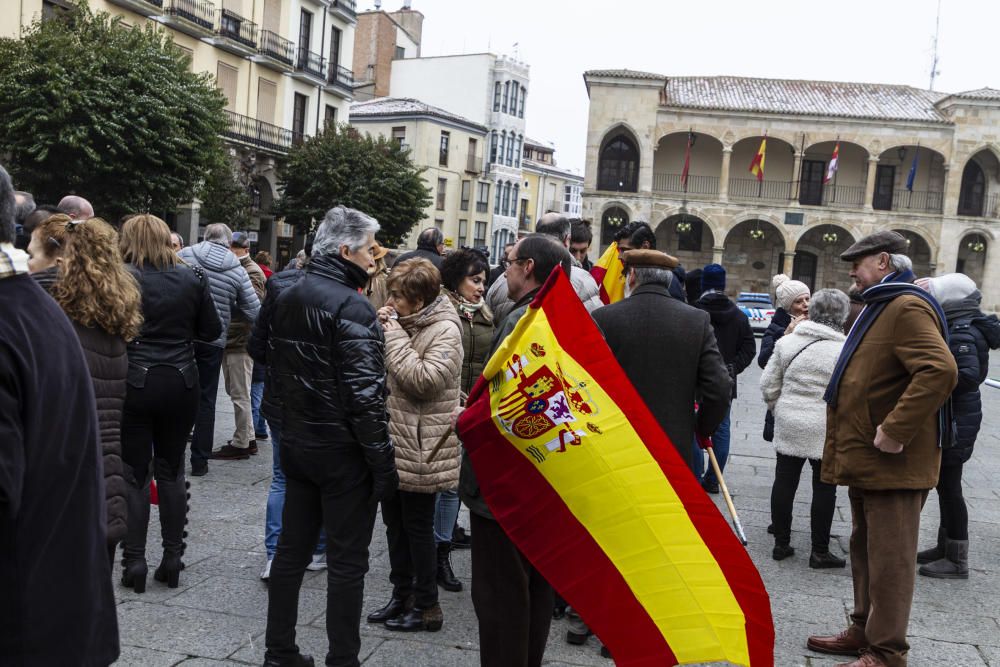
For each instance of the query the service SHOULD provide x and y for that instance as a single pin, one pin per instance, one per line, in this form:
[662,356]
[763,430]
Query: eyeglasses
[520,259]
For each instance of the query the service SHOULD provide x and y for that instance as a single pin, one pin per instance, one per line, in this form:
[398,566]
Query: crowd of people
[355,368]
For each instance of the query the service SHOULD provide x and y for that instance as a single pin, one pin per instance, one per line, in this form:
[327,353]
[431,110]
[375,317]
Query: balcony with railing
[309,65]
[275,51]
[348,8]
[696,185]
[143,7]
[844,196]
[235,33]
[340,80]
[750,189]
[915,201]
[473,163]
[257,133]
[194,17]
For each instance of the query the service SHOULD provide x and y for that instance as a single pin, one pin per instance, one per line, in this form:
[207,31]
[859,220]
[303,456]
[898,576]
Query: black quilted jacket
[325,356]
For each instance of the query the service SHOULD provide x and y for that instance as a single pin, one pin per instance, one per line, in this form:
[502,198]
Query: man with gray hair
[24,204]
[76,207]
[888,417]
[325,358]
[430,246]
[233,293]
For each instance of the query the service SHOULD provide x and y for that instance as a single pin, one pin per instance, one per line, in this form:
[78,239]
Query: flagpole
[837,171]
[760,181]
[725,494]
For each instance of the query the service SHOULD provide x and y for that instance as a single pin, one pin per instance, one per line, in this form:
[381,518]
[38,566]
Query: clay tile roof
[623,74]
[980,94]
[382,107]
[811,98]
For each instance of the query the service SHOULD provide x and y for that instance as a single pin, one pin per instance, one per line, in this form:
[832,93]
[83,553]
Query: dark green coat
[477,337]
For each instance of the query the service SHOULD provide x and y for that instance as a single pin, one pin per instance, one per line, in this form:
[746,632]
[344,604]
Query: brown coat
[424,366]
[239,328]
[900,375]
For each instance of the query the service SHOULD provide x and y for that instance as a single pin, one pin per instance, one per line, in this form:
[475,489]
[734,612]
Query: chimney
[411,21]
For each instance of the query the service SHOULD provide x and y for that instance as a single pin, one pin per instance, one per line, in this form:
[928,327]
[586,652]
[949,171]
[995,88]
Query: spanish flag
[610,275]
[757,166]
[585,482]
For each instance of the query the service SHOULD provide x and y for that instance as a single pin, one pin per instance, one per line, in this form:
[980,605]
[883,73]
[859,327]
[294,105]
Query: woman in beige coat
[423,358]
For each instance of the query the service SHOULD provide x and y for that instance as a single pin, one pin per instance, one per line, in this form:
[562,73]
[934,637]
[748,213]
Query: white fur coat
[794,392]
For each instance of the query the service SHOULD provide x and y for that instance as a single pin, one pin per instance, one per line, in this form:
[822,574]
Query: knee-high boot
[173,491]
[134,568]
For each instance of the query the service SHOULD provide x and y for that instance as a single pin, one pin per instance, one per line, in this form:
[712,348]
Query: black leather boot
[134,567]
[394,608]
[445,575]
[936,552]
[173,519]
[418,620]
[298,661]
[819,560]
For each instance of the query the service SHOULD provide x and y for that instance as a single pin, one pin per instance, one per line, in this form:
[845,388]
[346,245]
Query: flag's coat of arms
[586,483]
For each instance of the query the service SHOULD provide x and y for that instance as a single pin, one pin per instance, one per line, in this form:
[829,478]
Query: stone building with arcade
[795,219]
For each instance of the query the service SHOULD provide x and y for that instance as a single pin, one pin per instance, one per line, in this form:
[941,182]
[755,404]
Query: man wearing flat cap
[667,350]
[887,418]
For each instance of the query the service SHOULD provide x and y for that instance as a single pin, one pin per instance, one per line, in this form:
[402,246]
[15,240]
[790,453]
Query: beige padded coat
[424,366]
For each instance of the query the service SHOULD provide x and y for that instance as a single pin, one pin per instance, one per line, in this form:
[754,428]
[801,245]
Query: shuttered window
[267,96]
[227,78]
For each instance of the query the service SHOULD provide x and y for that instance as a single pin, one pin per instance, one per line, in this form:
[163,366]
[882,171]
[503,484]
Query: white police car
[758,308]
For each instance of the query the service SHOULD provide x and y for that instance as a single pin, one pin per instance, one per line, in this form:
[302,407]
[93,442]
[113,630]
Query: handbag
[769,417]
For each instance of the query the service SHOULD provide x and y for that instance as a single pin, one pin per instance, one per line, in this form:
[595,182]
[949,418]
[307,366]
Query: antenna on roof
[934,58]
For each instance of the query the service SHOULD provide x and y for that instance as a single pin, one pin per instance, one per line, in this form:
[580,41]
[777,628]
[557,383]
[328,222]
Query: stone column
[788,262]
[188,217]
[796,177]
[870,184]
[949,199]
[727,153]
[717,254]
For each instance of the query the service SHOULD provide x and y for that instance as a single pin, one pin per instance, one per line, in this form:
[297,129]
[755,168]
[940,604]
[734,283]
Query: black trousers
[954,513]
[155,422]
[209,360]
[787,472]
[409,527]
[513,602]
[331,489]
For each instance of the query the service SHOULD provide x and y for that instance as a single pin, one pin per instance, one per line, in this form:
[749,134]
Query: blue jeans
[276,499]
[720,444]
[256,396]
[445,515]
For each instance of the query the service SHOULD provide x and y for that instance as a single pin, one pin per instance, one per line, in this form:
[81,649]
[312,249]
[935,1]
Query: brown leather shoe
[230,453]
[849,642]
[867,659]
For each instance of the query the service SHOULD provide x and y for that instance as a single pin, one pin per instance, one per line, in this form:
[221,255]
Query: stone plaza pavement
[217,615]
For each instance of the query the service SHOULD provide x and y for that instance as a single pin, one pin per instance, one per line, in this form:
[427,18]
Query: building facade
[493,93]
[283,66]
[923,163]
[546,186]
[450,149]
[382,37]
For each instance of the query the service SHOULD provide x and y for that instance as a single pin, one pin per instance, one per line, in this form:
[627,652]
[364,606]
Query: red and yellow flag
[757,166]
[609,273]
[585,482]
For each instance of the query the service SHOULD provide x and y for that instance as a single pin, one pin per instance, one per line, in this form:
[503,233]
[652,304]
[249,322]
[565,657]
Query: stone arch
[771,218]
[687,237]
[753,252]
[614,215]
[919,249]
[980,180]
[717,229]
[704,167]
[791,141]
[618,159]
[892,176]
[817,260]
[779,170]
[847,188]
[974,247]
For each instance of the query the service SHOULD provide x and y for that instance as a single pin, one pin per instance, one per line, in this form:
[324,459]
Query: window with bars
[442,189]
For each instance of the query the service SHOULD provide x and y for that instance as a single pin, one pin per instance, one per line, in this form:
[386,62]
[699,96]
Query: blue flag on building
[912,176]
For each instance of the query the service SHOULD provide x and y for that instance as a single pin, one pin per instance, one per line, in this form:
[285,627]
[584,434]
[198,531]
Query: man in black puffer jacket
[325,357]
[738,348]
[971,336]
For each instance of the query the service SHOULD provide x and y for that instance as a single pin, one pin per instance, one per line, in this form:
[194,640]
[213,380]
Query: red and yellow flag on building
[757,166]
[585,482]
[609,273]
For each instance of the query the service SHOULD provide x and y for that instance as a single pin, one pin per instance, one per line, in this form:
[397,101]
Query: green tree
[342,166]
[223,197]
[94,107]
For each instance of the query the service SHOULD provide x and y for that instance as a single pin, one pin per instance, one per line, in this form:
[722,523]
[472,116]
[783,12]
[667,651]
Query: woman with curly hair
[163,390]
[79,264]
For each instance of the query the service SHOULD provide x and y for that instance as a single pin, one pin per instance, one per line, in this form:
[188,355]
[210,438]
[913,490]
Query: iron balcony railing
[473,163]
[844,195]
[751,188]
[696,185]
[341,76]
[235,27]
[277,47]
[313,63]
[258,133]
[920,201]
[348,6]
[200,12]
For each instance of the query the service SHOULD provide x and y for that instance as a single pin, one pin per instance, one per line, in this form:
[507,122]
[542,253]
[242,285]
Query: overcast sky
[884,41]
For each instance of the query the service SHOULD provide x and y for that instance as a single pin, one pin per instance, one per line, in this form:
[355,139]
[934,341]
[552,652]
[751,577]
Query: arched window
[496,204]
[496,96]
[519,150]
[503,141]
[972,194]
[513,97]
[524,93]
[510,150]
[618,165]
[505,207]
[506,96]
[517,200]
[493,146]
[612,220]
